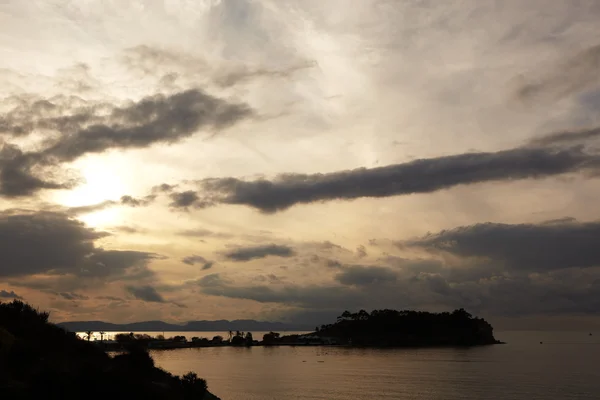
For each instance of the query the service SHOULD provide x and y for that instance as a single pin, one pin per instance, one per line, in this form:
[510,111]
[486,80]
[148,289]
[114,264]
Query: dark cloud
[195,259]
[419,176]
[573,75]
[127,201]
[211,280]
[9,295]
[361,251]
[302,296]
[128,229]
[72,296]
[135,202]
[201,233]
[54,244]
[74,211]
[145,293]
[22,175]
[524,247]
[85,128]
[370,275]
[270,278]
[163,188]
[567,137]
[111,298]
[254,252]
[186,199]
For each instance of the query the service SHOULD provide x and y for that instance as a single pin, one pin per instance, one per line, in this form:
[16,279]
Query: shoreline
[175,346]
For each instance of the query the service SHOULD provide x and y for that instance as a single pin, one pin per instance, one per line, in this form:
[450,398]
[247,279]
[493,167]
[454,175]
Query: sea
[531,365]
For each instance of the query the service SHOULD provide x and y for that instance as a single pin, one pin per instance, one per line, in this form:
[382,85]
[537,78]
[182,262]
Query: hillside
[41,360]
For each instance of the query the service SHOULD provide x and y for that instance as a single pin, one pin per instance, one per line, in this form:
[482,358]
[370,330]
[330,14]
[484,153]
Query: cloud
[579,72]
[63,246]
[303,296]
[145,293]
[21,174]
[201,233]
[567,137]
[94,128]
[185,199]
[72,296]
[195,259]
[211,280]
[127,201]
[361,251]
[9,295]
[419,176]
[522,247]
[360,275]
[172,65]
[111,298]
[254,252]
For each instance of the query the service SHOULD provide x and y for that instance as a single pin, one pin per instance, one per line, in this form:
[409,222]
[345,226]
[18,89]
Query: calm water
[565,366]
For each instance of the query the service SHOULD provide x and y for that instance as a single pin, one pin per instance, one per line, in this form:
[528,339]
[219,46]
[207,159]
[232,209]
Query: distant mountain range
[191,326]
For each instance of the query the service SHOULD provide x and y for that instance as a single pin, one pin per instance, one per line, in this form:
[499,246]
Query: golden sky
[289,159]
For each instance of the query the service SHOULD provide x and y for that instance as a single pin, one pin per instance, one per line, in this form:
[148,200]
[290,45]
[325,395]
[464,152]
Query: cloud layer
[419,176]
[255,252]
[81,129]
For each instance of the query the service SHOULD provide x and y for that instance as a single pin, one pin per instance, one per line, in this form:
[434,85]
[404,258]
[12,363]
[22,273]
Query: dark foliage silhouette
[41,360]
[409,328]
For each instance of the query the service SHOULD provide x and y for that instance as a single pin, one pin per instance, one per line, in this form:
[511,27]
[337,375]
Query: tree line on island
[378,328]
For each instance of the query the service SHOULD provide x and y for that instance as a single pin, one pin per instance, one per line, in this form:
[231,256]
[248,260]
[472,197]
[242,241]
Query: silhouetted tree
[71,368]
[270,338]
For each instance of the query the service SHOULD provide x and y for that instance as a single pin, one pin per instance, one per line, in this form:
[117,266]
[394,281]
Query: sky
[290,159]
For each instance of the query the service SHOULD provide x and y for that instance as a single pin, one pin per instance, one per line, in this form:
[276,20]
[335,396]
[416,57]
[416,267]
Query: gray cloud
[111,298]
[201,233]
[145,293]
[361,251]
[567,137]
[195,259]
[154,119]
[62,246]
[365,275]
[127,201]
[302,296]
[186,199]
[9,295]
[254,252]
[86,129]
[419,176]
[211,280]
[171,65]
[575,74]
[522,247]
[72,296]
[21,174]
[553,293]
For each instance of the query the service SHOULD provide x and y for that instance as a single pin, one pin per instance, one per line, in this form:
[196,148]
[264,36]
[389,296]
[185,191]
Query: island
[380,328]
[39,360]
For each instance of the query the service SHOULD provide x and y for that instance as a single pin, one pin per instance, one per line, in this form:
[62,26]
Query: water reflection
[521,369]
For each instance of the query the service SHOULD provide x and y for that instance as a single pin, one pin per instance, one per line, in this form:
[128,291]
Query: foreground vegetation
[40,360]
